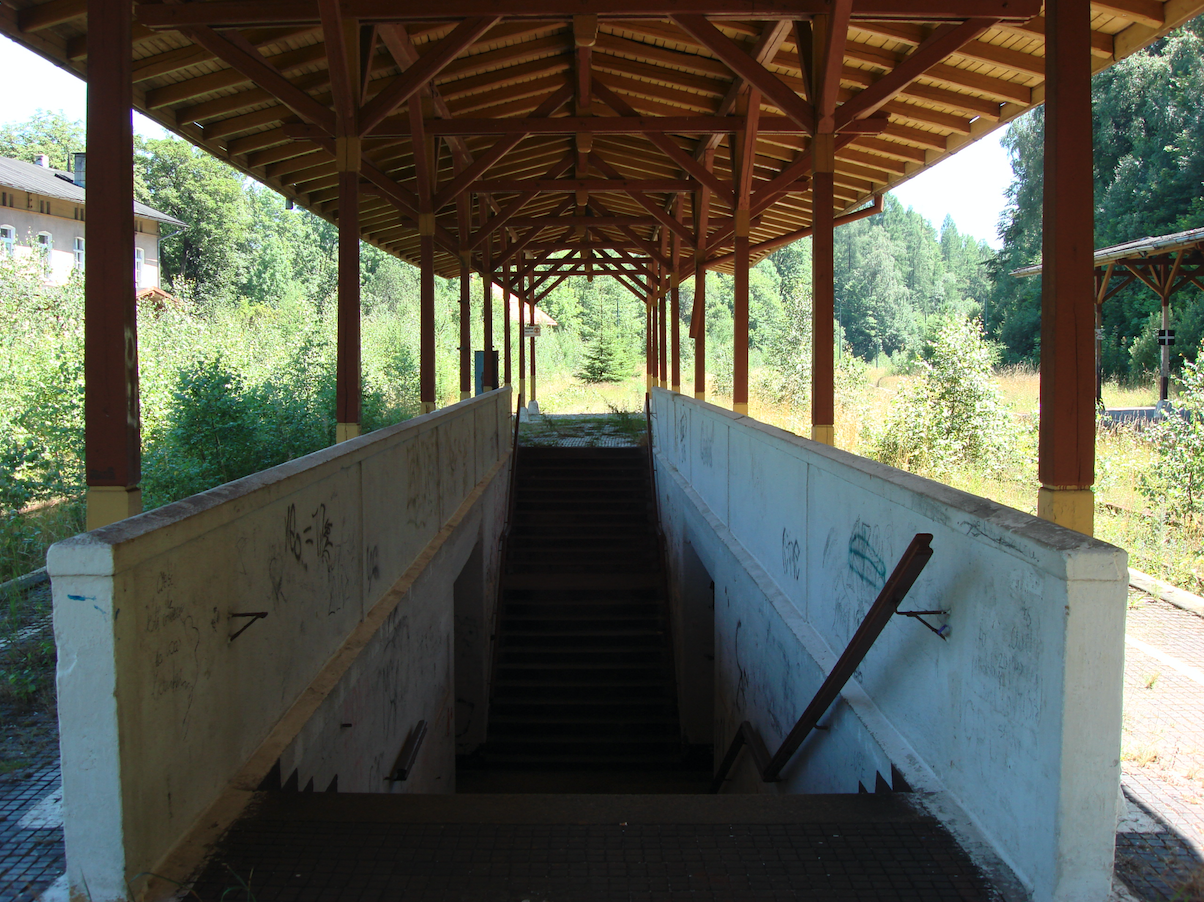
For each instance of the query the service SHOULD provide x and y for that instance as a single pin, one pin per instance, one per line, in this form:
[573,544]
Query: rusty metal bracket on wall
[942,630]
[254,615]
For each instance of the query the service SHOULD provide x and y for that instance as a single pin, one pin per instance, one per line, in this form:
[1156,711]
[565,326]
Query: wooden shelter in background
[1165,265]
[641,140]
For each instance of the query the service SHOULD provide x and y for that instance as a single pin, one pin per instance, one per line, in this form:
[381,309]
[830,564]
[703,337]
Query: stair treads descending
[584,669]
[493,848]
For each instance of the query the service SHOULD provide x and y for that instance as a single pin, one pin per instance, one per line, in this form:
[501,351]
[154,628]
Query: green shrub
[952,413]
[1176,483]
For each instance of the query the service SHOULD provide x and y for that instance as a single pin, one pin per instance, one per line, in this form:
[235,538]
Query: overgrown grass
[27,652]
[25,535]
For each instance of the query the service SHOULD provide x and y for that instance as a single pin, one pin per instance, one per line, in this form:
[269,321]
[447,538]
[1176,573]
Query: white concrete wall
[1015,720]
[352,552]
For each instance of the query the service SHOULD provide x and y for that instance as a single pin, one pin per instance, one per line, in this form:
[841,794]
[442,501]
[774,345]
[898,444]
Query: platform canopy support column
[488,370]
[698,315]
[111,403]
[507,286]
[743,157]
[348,379]
[827,39]
[1067,430]
[425,165]
[525,291]
[675,305]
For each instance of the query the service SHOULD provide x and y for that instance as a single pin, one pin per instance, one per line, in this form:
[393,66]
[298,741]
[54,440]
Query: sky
[969,186]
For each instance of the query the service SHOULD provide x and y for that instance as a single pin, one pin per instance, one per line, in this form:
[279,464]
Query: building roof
[1141,249]
[56,183]
[252,83]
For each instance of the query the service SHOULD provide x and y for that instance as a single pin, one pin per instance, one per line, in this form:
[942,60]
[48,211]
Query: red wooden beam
[423,71]
[837,26]
[234,13]
[666,144]
[483,163]
[774,89]
[621,185]
[236,52]
[944,41]
[628,122]
[524,242]
[341,83]
[766,47]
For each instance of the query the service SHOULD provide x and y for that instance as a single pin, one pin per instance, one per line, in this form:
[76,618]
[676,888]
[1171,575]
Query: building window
[44,245]
[139,260]
[79,254]
[8,240]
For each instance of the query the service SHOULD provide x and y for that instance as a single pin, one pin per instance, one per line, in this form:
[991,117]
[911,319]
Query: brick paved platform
[1160,848]
[31,832]
[506,848]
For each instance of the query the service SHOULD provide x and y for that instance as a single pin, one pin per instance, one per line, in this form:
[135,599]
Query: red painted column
[488,371]
[112,415]
[426,312]
[465,326]
[740,316]
[347,367]
[1067,431]
[663,333]
[506,288]
[523,298]
[823,274]
[699,329]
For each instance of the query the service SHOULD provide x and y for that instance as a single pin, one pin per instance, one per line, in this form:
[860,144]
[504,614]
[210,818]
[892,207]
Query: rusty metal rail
[769,767]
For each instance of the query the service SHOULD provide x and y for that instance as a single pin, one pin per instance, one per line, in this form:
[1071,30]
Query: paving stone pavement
[1161,857]
[31,832]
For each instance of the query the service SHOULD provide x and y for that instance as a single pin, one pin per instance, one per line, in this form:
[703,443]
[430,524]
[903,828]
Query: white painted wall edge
[1061,548]
[181,863]
[939,800]
[215,504]
[1171,594]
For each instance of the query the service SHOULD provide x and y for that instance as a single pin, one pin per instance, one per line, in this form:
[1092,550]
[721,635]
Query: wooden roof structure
[592,127]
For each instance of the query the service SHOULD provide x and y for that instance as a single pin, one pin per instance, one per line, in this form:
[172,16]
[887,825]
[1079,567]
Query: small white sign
[530,331]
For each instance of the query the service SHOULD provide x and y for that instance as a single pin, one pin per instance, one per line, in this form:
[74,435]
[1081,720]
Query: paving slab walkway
[31,831]
[1160,843]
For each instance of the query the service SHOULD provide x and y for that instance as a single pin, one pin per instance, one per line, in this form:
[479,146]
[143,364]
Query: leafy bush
[1176,482]
[952,413]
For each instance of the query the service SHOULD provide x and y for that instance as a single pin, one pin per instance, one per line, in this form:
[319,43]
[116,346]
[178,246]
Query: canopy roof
[597,109]
[1191,241]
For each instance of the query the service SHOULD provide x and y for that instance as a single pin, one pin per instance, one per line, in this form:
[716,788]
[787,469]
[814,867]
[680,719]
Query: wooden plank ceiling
[582,126]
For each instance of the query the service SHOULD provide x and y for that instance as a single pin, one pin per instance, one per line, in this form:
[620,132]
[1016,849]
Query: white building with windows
[42,217]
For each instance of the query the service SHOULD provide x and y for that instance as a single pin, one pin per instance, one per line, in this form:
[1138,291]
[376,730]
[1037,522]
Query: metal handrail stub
[910,565]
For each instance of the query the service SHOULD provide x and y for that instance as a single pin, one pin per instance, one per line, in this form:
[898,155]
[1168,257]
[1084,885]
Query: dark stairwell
[584,694]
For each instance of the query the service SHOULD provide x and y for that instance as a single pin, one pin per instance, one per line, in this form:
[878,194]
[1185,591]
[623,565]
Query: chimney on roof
[43,160]
[79,169]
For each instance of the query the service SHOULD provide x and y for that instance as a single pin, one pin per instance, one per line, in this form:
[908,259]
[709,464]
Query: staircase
[584,675]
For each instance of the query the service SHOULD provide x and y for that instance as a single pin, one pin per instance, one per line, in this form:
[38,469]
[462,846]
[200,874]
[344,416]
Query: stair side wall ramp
[298,620]
[1009,722]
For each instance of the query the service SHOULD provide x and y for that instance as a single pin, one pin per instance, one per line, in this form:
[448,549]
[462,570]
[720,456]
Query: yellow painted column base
[110,503]
[344,431]
[700,396]
[429,406]
[484,388]
[825,434]
[676,388]
[522,389]
[465,395]
[1072,508]
[740,407]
